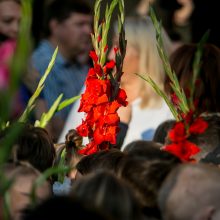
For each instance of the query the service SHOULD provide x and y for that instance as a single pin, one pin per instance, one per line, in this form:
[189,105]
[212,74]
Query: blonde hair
[140,33]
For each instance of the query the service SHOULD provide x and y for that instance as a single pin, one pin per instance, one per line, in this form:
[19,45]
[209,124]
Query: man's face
[10,15]
[74,32]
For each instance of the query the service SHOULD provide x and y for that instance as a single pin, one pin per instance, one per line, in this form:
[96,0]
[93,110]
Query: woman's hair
[140,33]
[208,82]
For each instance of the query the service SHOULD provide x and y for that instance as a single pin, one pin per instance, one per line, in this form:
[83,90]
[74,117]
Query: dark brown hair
[208,82]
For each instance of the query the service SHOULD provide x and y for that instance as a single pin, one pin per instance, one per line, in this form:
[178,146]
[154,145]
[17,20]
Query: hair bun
[73,139]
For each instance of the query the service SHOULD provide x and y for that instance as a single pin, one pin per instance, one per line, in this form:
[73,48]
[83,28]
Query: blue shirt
[67,78]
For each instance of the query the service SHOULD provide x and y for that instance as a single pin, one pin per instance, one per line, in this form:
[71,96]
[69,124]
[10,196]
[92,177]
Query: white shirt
[144,121]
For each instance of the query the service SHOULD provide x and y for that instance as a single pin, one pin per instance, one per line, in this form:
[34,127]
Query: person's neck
[70,57]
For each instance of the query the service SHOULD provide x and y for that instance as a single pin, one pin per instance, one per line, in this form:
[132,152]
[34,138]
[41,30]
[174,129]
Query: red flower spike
[100,102]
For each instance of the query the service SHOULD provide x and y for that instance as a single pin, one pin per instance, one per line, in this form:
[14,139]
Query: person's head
[23,176]
[35,146]
[162,131]
[10,16]
[103,160]
[149,151]
[68,23]
[63,207]
[213,157]
[208,81]
[191,192]
[108,194]
[146,176]
[142,57]
[210,139]
[207,141]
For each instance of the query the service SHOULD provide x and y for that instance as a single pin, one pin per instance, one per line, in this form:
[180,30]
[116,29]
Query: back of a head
[61,10]
[23,176]
[212,157]
[149,150]
[107,193]
[146,177]
[103,160]
[198,189]
[35,146]
[209,140]
[208,81]
[162,131]
[62,207]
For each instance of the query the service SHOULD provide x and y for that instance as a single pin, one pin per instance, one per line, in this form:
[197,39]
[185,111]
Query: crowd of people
[136,179]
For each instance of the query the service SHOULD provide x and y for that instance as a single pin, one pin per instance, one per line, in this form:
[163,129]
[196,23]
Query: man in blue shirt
[68,25]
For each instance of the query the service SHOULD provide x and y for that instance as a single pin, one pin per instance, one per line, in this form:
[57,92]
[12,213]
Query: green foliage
[32,100]
[45,117]
[162,94]
[183,105]
[197,66]
[100,36]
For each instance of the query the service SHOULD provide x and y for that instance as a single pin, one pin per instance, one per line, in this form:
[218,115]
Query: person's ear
[206,213]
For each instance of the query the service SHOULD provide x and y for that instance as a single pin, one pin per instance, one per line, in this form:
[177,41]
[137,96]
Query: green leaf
[183,105]
[197,66]
[105,30]
[46,117]
[62,163]
[67,102]
[161,94]
[32,100]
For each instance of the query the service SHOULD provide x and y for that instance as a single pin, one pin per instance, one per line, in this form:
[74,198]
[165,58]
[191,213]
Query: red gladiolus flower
[83,129]
[198,126]
[110,64]
[183,150]
[178,132]
[121,98]
[90,148]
